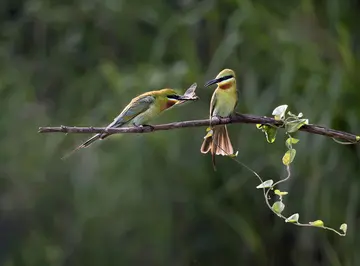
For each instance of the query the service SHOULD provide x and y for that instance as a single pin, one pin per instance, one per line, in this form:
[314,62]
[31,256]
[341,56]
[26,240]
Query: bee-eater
[142,109]
[223,103]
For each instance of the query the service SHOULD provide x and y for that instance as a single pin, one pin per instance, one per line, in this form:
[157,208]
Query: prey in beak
[189,95]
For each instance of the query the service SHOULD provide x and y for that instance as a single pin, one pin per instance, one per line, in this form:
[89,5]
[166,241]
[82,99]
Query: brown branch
[238,118]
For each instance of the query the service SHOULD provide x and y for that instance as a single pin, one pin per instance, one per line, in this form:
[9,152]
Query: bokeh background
[153,199]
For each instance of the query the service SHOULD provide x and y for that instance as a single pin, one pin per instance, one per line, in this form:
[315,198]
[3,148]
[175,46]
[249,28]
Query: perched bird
[223,103]
[142,109]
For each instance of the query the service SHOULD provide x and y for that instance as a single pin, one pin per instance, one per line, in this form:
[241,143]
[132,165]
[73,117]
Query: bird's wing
[237,99]
[133,109]
[213,103]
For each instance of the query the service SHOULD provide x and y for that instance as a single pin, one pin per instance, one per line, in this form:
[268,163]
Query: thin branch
[236,119]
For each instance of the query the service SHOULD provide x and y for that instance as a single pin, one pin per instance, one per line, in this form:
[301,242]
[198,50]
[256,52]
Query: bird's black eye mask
[214,81]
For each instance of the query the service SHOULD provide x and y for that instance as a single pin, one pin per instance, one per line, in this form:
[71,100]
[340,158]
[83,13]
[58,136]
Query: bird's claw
[144,126]
[149,126]
[217,117]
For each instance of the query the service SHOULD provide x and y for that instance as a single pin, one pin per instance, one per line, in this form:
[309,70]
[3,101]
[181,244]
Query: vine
[292,123]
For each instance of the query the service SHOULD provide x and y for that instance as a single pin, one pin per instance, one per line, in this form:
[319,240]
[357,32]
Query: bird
[141,110]
[223,103]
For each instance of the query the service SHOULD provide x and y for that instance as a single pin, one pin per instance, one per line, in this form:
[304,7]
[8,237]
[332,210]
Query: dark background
[153,199]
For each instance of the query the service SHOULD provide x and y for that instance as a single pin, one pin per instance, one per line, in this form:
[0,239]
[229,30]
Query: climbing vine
[291,123]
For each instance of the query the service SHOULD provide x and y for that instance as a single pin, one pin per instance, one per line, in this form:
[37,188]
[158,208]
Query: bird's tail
[94,138]
[84,145]
[218,144]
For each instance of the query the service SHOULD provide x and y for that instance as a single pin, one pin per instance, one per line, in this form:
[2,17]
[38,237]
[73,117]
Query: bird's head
[224,79]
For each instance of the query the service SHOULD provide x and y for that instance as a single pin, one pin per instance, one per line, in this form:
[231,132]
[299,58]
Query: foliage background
[153,199]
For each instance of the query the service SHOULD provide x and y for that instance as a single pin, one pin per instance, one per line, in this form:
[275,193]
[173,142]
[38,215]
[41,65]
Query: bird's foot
[144,126]
[149,126]
[217,118]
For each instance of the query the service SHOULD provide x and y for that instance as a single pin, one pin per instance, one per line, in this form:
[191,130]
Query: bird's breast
[225,103]
[147,115]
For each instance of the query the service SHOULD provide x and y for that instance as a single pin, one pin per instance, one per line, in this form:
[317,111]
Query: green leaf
[294,126]
[343,228]
[266,184]
[279,112]
[289,157]
[293,218]
[280,193]
[270,132]
[292,141]
[278,207]
[317,223]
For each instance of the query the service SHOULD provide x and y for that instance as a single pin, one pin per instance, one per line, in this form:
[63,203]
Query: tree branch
[236,119]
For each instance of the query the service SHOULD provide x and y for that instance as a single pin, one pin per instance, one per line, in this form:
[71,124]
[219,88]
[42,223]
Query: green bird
[143,109]
[223,103]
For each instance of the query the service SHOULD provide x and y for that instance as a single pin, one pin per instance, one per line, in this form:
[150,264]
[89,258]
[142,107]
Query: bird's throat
[169,104]
[226,86]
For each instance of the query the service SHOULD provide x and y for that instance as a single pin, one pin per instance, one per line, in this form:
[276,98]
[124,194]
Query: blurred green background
[153,199]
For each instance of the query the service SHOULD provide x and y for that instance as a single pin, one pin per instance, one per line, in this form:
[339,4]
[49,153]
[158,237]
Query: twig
[236,119]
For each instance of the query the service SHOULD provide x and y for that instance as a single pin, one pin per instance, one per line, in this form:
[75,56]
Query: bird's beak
[175,97]
[211,82]
[182,97]
[214,81]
